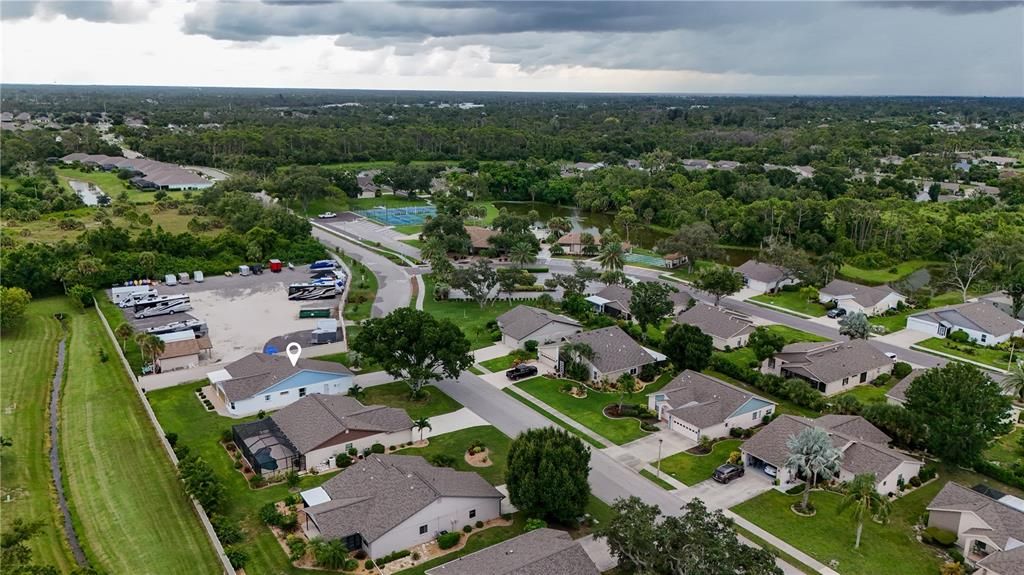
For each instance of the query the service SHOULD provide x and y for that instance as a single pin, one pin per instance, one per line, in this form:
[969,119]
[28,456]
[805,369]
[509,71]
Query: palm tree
[1013,383]
[612,256]
[150,345]
[812,454]
[627,387]
[124,331]
[356,391]
[140,340]
[522,253]
[421,424]
[866,502]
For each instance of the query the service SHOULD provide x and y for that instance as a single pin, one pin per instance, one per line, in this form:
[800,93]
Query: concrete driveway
[646,448]
[719,496]
[497,379]
[491,352]
[454,421]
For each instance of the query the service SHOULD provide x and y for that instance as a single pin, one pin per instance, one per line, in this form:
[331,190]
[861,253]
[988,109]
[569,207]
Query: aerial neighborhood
[371,332]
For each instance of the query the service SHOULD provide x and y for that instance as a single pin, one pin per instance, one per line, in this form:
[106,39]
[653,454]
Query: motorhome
[171,279]
[119,293]
[131,299]
[322,265]
[162,305]
[194,325]
[307,291]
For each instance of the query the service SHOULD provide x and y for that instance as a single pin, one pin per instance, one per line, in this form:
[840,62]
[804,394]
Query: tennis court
[645,260]
[407,216]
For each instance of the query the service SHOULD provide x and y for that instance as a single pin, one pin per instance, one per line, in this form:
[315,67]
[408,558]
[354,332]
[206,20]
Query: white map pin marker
[293,350]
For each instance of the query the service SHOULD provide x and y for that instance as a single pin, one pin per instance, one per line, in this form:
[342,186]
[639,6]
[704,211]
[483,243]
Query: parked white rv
[120,293]
[131,299]
[171,280]
[162,305]
[243,270]
[198,276]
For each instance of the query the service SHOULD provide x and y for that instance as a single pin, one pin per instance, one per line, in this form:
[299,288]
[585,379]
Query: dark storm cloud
[89,10]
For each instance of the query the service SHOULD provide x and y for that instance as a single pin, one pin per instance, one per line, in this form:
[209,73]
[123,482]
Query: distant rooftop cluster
[148,174]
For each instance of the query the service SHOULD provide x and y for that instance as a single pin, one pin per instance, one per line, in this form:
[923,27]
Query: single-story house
[1002,301]
[385,503]
[765,278]
[614,300]
[696,164]
[697,405]
[479,238]
[310,432]
[572,242]
[897,395]
[869,300]
[264,382]
[726,328]
[524,323]
[864,448]
[541,551]
[831,367]
[999,160]
[983,322]
[990,532]
[615,353]
[673,260]
[182,354]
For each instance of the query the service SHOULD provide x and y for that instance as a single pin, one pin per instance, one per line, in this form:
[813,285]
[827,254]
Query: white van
[171,280]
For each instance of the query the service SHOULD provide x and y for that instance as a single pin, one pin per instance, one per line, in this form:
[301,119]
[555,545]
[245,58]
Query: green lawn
[885,549]
[971,352]
[456,443]
[468,315]
[797,301]
[502,363]
[121,484]
[115,317]
[342,357]
[558,423]
[29,362]
[683,272]
[587,411]
[793,335]
[396,394]
[473,369]
[111,185]
[898,320]
[868,393]
[418,244]
[659,482]
[409,230]
[362,290]
[692,469]
[890,274]
[1007,449]
[179,411]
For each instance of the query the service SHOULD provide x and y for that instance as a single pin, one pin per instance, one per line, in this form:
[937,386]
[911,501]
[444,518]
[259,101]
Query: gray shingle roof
[716,321]
[866,296]
[258,371]
[613,349]
[160,173]
[1005,562]
[1004,522]
[899,391]
[864,457]
[852,427]
[978,316]
[378,493]
[761,271]
[538,552]
[703,400]
[832,361]
[621,296]
[523,320]
[315,419]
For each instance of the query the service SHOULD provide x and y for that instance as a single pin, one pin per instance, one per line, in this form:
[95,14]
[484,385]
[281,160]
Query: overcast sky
[824,47]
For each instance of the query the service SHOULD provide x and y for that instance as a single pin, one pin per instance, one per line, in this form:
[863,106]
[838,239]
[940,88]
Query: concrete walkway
[454,421]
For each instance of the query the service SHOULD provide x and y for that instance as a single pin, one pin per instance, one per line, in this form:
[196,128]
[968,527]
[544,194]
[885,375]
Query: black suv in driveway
[836,312]
[727,472]
[521,371]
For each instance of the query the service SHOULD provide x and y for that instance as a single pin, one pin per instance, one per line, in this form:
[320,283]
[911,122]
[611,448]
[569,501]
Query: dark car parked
[836,312]
[727,472]
[521,371]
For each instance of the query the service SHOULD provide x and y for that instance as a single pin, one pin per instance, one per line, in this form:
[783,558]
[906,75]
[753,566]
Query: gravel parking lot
[242,313]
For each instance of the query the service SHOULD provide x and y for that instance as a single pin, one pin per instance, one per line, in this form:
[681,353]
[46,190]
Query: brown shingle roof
[1005,562]
[479,237]
[538,552]
[716,321]
[315,419]
[182,348]
[613,349]
[761,271]
[379,492]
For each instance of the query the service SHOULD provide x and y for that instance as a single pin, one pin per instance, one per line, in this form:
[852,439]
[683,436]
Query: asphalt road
[394,287]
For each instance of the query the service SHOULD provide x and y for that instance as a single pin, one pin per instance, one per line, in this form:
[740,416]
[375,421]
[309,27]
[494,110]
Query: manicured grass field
[115,318]
[586,438]
[342,357]
[692,469]
[121,484]
[885,549]
[179,411]
[418,244]
[587,411]
[793,335]
[898,321]
[659,482]
[111,185]
[890,274]
[456,443]
[501,363]
[792,300]
[396,394]
[468,315]
[868,393]
[970,352]
[1007,449]
[683,272]
[362,290]
[29,362]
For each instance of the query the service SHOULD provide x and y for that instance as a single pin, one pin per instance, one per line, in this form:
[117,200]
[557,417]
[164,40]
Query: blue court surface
[408,216]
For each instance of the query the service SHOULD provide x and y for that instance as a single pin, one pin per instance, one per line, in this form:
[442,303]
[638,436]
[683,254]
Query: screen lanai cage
[266,448]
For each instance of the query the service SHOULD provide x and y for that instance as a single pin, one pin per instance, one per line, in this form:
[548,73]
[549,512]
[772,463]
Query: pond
[640,236]
[89,192]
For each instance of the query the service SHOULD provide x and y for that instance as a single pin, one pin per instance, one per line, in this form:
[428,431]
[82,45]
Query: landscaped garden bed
[588,410]
[696,464]
[968,351]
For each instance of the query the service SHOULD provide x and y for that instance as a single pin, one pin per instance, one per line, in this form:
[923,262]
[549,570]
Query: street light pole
[659,457]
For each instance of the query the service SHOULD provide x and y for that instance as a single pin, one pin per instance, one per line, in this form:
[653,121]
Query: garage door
[684,429]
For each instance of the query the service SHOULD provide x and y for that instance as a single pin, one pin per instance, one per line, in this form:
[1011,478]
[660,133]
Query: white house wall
[283,397]
[321,455]
[445,514]
[834,387]
[175,363]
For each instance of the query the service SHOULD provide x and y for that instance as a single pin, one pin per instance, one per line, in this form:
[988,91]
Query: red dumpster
[275,266]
